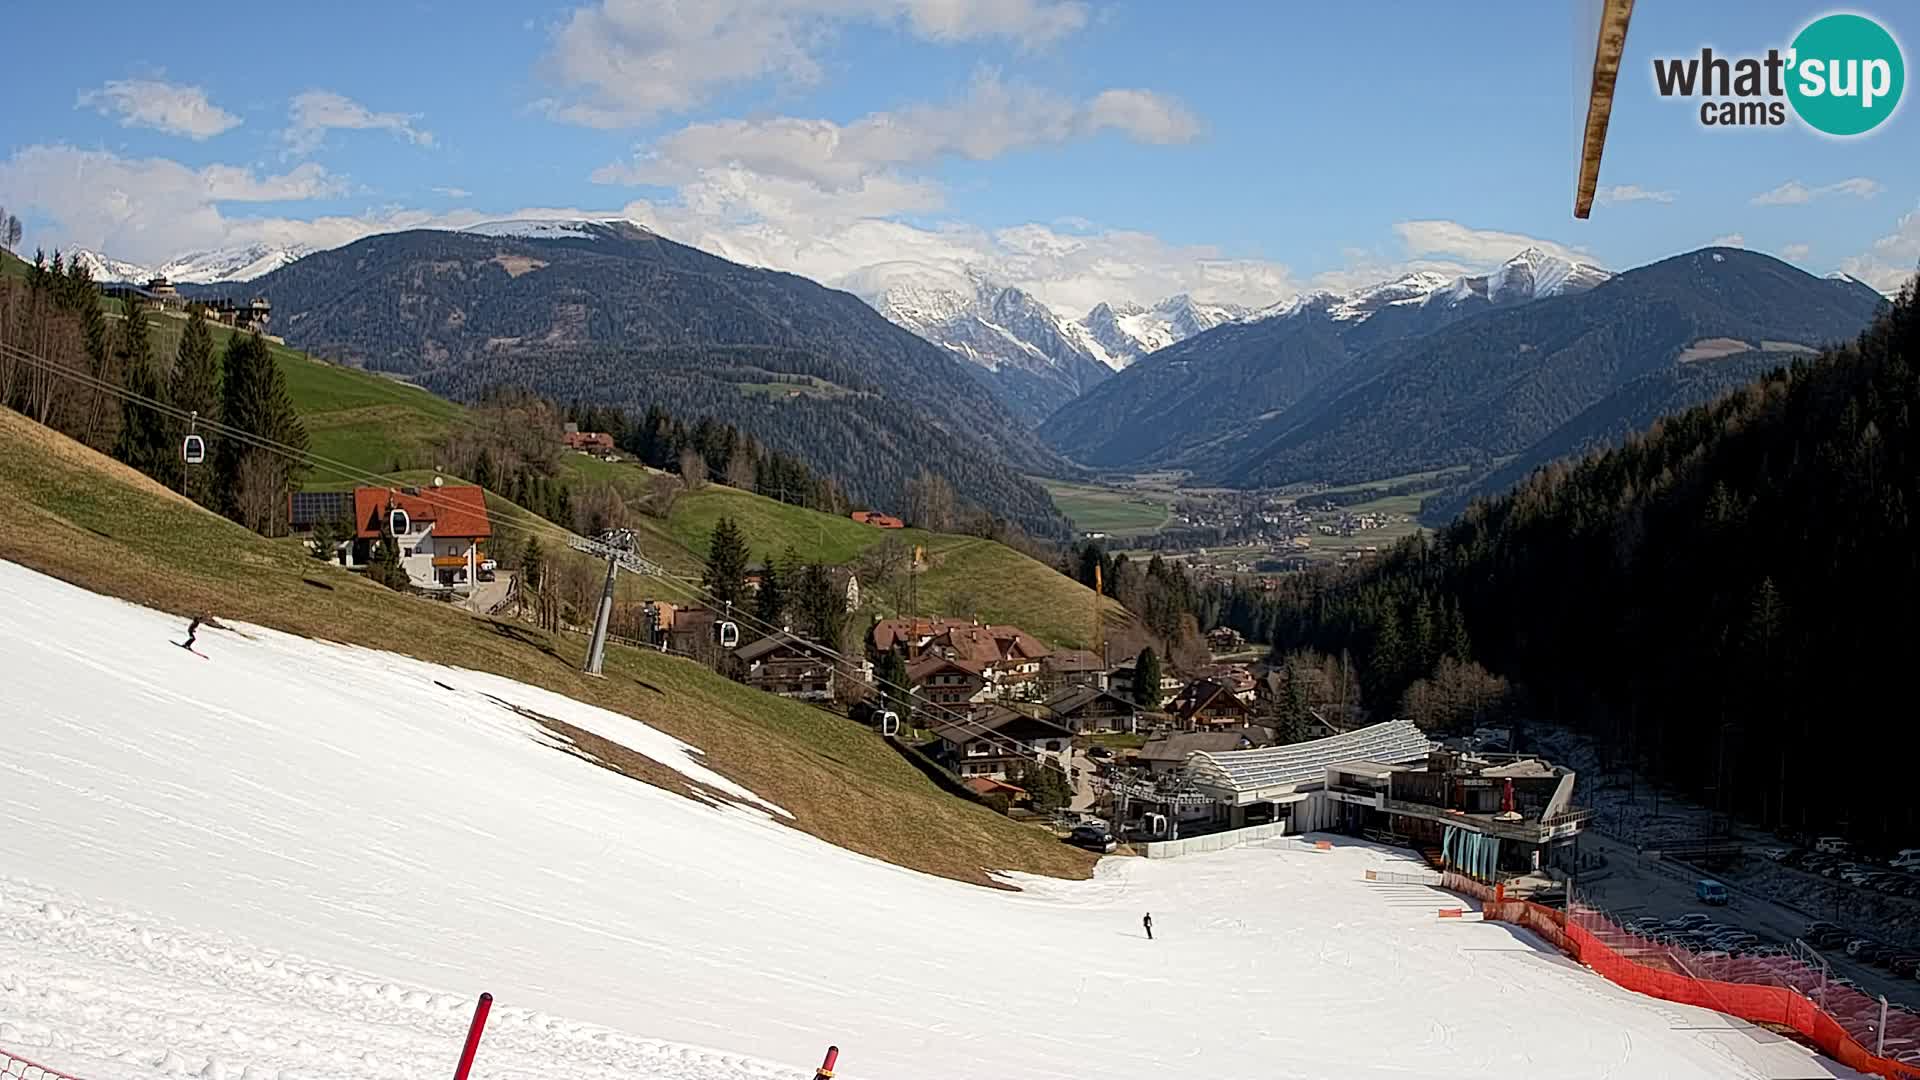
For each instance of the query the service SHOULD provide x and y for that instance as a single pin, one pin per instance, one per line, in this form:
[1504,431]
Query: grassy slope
[69,512]
[996,582]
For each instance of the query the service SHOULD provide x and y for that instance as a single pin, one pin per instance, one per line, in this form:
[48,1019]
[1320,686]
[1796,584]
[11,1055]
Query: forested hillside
[1496,384]
[614,315]
[1722,599]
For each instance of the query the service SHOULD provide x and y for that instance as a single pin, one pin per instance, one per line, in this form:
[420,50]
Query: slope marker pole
[473,1037]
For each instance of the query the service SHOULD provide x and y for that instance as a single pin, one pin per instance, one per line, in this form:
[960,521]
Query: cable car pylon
[616,546]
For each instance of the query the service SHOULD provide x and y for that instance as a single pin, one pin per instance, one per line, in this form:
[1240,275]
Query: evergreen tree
[195,387]
[384,567]
[821,608]
[255,481]
[145,441]
[726,572]
[1047,790]
[1296,710]
[1146,679]
[327,538]
[770,606]
[890,674]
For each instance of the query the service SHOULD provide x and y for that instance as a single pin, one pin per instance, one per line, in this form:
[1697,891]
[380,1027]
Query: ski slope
[298,860]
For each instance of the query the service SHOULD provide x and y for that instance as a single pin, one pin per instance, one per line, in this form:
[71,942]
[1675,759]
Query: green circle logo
[1847,74]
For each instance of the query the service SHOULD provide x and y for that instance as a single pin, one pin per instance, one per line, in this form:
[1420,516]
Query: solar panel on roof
[1392,742]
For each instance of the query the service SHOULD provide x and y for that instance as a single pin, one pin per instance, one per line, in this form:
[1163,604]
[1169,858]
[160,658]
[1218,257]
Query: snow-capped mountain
[1119,335]
[1034,360]
[108,268]
[230,264]
[197,267]
[1531,275]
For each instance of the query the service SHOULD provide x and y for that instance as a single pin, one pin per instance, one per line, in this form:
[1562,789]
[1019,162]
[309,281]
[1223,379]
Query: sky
[1087,151]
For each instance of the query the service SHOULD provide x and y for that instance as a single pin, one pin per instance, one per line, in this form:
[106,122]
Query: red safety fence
[15,1067]
[1776,988]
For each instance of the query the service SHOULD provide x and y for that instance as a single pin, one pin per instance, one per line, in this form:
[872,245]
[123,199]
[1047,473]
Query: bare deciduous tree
[693,469]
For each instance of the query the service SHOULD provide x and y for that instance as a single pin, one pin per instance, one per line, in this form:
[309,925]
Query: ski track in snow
[303,861]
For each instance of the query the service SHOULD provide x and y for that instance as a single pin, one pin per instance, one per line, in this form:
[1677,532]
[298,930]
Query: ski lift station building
[1487,816]
[442,531]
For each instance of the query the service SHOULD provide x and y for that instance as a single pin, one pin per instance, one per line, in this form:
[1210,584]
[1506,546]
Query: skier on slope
[193,632]
[1147,921]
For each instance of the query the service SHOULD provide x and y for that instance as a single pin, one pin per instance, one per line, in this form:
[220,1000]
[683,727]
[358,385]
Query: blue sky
[1088,151]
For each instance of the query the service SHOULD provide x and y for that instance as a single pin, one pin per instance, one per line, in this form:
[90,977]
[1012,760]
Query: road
[1632,886]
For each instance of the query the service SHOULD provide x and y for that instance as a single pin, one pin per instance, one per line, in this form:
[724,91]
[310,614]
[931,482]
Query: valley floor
[294,860]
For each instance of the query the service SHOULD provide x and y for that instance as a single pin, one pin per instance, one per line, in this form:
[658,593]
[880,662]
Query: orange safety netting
[1779,989]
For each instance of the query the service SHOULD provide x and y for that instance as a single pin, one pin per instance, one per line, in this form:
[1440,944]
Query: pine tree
[1296,710]
[726,572]
[770,605]
[144,441]
[385,566]
[326,539]
[195,387]
[255,481]
[890,674]
[1146,678]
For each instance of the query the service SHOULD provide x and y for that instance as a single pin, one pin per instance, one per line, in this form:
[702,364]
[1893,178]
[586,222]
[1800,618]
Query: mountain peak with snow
[1532,274]
[211,267]
[551,228]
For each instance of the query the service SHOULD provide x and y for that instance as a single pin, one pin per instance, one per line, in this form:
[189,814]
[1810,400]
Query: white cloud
[626,61]
[146,209]
[1793,192]
[1733,239]
[316,112]
[1795,252]
[162,106]
[1890,263]
[1473,246]
[993,119]
[1626,193]
[453,192]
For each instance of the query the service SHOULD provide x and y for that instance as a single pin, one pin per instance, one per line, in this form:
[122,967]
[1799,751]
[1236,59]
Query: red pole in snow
[473,1036]
[826,1067]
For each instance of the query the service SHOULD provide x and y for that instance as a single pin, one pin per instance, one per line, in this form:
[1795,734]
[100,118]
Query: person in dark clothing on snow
[193,629]
[1147,921]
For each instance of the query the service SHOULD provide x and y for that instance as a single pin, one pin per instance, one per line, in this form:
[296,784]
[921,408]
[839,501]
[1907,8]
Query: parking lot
[1633,887]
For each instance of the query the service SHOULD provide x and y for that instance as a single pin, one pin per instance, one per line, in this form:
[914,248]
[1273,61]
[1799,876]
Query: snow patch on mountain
[540,229]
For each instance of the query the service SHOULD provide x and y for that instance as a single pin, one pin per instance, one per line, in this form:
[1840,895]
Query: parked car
[1858,945]
[1906,859]
[1829,939]
[1100,750]
[1777,854]
[1094,837]
[1690,921]
[1904,964]
[1831,845]
[1710,891]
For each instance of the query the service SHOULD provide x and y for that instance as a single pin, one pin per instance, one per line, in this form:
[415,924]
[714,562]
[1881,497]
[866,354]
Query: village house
[441,532]
[1120,680]
[1063,668]
[997,742]
[1006,657]
[877,520]
[1208,704]
[1082,709]
[951,683]
[1225,639]
[587,442]
[791,667]
[1169,752]
[242,315]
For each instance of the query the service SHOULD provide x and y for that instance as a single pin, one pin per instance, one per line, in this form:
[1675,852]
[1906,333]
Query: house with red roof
[442,532]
